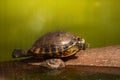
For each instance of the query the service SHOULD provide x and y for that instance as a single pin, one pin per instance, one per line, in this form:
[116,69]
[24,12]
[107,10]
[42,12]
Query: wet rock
[50,64]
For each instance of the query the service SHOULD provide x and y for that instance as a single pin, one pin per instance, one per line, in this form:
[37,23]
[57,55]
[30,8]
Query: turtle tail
[17,53]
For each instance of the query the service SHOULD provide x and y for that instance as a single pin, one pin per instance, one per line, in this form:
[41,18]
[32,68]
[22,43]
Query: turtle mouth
[83,46]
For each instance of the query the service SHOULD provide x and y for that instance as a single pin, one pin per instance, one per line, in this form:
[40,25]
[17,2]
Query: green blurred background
[23,21]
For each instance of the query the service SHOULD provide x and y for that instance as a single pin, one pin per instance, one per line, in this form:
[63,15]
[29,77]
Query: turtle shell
[54,43]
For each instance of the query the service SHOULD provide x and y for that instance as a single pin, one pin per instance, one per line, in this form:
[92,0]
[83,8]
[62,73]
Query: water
[23,71]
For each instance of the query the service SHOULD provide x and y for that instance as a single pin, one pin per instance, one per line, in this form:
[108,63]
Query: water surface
[23,71]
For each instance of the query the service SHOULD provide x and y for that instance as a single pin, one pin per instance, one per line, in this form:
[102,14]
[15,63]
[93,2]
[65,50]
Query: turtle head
[18,53]
[82,44]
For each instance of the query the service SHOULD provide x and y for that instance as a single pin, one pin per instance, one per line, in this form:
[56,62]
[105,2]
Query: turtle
[54,46]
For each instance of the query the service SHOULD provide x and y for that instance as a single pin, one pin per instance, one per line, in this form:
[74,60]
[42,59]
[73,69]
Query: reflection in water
[23,71]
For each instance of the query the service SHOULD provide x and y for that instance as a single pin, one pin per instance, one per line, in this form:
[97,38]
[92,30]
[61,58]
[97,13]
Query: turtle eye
[78,39]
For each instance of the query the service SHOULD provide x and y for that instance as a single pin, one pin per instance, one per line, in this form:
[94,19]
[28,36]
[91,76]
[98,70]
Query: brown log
[101,57]
[105,56]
